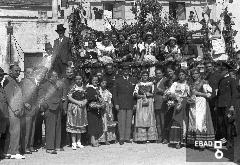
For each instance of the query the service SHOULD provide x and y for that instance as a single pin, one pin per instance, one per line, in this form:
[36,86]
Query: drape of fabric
[76,115]
[145,122]
[200,126]
[178,128]
[109,126]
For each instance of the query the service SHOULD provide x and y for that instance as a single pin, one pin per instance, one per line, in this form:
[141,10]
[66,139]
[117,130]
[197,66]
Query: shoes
[74,146]
[178,146]
[121,142]
[7,156]
[51,151]
[79,145]
[17,156]
[128,141]
[107,143]
[59,149]
[165,141]
[95,145]
[28,152]
[33,150]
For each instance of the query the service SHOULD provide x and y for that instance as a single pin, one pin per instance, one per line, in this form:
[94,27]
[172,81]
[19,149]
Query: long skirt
[76,119]
[95,124]
[178,127]
[200,125]
[145,122]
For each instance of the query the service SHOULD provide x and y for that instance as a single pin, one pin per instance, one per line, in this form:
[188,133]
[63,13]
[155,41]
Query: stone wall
[29,36]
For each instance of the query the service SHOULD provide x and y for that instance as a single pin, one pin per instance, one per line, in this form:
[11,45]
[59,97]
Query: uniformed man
[124,103]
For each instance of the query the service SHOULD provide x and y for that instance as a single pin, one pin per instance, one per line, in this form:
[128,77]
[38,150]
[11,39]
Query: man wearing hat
[61,51]
[226,96]
[15,105]
[4,117]
[124,103]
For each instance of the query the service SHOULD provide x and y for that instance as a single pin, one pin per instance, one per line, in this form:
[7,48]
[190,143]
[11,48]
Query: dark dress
[94,116]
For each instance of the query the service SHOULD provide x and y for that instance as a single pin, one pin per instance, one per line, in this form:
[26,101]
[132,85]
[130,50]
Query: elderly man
[61,51]
[29,90]
[4,117]
[15,105]
[51,94]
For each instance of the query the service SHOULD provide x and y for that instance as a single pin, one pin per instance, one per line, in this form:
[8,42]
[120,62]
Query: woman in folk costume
[172,50]
[200,126]
[77,113]
[106,51]
[177,94]
[109,126]
[149,52]
[145,123]
[95,106]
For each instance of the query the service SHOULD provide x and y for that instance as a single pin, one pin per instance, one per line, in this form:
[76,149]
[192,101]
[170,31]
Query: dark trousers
[65,136]
[59,67]
[5,138]
[213,113]
[27,132]
[168,122]
[14,131]
[223,127]
[53,129]
[38,130]
[160,116]
[124,124]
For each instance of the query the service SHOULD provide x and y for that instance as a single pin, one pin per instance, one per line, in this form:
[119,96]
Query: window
[177,10]
[117,9]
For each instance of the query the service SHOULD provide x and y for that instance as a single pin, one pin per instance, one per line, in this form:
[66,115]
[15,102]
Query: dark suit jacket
[3,104]
[67,84]
[213,80]
[227,92]
[51,94]
[30,95]
[158,94]
[62,51]
[14,95]
[123,92]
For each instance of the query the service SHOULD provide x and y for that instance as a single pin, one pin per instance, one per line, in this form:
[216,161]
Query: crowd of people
[171,104]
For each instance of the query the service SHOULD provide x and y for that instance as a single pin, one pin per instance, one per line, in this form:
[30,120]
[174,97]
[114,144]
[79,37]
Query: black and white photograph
[119,82]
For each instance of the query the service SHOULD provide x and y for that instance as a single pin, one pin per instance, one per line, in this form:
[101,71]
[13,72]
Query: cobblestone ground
[127,154]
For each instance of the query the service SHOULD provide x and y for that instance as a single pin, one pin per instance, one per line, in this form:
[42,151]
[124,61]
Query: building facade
[34,22]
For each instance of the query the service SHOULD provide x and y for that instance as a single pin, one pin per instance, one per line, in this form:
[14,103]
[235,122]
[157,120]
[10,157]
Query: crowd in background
[170,104]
